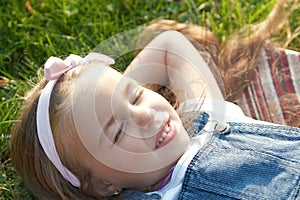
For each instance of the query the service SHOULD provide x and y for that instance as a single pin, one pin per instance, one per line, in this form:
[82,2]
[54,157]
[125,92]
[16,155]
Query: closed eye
[138,96]
[118,134]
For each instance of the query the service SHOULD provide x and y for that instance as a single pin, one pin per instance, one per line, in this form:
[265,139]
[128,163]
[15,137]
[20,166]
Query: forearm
[149,66]
[171,58]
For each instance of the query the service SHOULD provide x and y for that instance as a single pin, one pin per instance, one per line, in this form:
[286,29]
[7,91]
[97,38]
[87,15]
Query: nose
[142,115]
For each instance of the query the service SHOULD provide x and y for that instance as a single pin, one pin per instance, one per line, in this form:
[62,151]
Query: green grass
[29,35]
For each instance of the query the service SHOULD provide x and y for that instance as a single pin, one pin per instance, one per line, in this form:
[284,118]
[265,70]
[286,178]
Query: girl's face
[133,134]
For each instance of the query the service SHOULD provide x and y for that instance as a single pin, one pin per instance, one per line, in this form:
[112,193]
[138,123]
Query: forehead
[91,99]
[95,85]
[94,79]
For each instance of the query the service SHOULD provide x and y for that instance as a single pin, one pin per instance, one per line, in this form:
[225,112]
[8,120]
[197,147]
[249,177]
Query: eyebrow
[128,86]
[111,119]
[109,122]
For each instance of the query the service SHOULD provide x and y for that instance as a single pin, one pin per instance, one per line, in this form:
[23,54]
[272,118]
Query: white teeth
[167,128]
[164,134]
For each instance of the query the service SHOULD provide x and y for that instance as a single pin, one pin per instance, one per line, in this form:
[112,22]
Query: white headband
[53,69]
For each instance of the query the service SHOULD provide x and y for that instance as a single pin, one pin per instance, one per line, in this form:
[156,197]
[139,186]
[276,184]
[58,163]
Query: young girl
[88,131]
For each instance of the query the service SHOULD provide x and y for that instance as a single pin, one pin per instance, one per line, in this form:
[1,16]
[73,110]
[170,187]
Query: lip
[169,137]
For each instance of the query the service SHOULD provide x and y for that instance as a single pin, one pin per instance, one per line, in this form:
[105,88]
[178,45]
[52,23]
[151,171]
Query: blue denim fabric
[251,161]
[129,194]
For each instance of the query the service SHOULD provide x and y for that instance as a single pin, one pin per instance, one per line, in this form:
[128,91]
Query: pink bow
[55,67]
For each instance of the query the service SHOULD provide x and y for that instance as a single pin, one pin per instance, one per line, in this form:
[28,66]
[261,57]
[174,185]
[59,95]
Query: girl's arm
[170,59]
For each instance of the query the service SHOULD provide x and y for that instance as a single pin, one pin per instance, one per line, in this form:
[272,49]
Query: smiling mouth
[165,135]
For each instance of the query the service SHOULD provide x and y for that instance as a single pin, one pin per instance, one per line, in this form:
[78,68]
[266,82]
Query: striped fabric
[274,94]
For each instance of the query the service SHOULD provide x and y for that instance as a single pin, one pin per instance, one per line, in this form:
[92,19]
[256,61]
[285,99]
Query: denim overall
[246,161]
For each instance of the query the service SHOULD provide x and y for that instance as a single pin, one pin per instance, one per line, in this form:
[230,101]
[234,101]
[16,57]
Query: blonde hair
[37,171]
[236,61]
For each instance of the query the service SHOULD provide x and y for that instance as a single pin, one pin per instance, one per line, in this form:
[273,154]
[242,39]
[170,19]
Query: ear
[97,188]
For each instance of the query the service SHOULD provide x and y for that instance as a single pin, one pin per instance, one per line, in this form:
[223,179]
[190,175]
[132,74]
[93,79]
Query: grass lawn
[31,31]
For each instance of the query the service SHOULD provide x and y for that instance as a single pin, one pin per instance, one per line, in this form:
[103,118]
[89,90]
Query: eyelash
[138,96]
[117,136]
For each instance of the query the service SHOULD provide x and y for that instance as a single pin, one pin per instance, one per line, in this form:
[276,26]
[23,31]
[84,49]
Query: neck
[162,182]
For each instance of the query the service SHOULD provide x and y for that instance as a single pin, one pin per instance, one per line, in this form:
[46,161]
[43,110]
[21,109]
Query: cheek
[134,145]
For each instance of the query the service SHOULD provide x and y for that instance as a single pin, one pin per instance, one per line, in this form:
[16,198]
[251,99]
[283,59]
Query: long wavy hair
[236,61]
